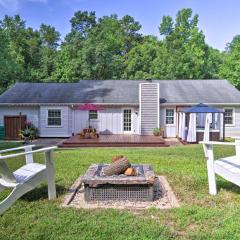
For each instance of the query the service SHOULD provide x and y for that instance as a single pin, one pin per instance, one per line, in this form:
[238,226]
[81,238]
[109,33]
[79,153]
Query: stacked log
[119,165]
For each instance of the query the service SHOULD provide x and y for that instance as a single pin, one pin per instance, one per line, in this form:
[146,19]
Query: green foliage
[156,131]
[230,69]
[111,48]
[10,69]
[184,48]
[30,132]
[140,59]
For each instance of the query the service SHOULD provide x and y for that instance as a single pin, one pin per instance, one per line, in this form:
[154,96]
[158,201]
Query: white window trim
[234,123]
[174,116]
[51,126]
[95,119]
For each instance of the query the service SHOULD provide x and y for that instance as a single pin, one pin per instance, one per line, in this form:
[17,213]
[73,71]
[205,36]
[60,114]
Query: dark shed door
[12,126]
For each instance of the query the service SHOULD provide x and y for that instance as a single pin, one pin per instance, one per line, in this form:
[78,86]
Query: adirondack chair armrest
[27,148]
[208,146]
[47,149]
[220,143]
[16,149]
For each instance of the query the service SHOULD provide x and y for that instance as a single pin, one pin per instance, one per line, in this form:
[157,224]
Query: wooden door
[12,126]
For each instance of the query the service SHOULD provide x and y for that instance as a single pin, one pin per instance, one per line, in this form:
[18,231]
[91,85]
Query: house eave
[66,104]
[194,103]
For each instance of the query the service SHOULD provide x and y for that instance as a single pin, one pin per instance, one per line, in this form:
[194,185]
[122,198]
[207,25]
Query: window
[170,116]
[93,114]
[229,116]
[54,117]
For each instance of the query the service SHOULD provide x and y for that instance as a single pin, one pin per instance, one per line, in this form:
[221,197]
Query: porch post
[223,127]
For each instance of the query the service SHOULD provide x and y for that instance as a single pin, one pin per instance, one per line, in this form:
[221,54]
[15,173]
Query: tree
[10,70]
[103,50]
[81,25]
[140,59]
[68,64]
[187,51]
[130,29]
[230,69]
[49,36]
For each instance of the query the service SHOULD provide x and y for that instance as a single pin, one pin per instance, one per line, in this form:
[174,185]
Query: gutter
[66,104]
[114,104]
[187,104]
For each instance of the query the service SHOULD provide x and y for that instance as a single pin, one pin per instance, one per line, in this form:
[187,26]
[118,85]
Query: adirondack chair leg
[211,171]
[50,175]
[16,193]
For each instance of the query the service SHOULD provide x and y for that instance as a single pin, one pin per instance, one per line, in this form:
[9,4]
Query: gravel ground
[164,198]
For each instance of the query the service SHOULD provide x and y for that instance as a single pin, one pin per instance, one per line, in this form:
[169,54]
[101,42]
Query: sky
[219,19]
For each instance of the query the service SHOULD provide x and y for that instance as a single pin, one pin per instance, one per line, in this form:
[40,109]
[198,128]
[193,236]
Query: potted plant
[29,133]
[156,132]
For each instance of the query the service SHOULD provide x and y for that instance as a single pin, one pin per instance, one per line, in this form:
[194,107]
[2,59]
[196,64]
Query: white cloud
[14,5]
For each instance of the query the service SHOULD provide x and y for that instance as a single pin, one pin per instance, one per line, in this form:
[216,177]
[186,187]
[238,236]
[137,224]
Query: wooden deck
[117,140]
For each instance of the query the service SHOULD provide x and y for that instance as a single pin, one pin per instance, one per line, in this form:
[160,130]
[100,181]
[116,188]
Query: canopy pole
[223,127]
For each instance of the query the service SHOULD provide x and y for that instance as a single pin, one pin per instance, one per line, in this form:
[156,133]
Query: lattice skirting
[119,193]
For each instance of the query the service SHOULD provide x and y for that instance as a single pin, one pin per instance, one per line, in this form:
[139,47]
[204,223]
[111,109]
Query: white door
[80,120]
[127,120]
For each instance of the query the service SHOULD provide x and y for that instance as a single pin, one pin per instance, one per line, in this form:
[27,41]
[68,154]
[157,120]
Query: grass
[200,216]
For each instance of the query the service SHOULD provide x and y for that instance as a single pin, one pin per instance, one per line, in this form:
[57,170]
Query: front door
[127,120]
[12,126]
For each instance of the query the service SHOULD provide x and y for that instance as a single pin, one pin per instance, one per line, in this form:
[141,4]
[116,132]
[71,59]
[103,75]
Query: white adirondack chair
[228,167]
[27,177]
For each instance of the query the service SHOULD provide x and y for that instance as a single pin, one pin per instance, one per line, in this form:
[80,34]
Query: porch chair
[227,167]
[27,177]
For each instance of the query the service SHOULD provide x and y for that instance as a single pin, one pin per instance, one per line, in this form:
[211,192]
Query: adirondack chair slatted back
[28,176]
[5,172]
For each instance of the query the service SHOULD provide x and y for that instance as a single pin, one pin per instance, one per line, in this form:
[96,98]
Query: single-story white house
[129,106]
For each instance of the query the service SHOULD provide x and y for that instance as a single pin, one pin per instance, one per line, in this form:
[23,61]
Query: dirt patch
[164,198]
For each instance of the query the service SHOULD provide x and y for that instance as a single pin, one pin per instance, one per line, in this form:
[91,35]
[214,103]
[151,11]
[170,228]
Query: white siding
[149,107]
[233,131]
[32,113]
[61,131]
[110,121]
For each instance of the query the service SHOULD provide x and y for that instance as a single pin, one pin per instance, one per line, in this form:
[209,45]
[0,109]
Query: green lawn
[200,216]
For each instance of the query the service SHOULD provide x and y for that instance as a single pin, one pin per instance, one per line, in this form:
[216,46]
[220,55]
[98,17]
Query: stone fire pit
[99,187]
[120,185]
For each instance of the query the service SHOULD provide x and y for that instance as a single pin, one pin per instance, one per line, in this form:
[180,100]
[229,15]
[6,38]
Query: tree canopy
[112,48]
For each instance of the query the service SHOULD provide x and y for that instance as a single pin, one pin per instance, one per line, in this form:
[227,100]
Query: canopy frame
[203,108]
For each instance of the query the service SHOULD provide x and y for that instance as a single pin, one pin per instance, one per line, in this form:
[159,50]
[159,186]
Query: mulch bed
[164,198]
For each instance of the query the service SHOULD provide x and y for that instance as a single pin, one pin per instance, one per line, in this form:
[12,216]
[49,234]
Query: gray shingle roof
[121,91]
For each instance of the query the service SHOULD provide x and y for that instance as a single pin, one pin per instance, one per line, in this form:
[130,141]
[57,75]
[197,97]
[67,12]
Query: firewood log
[117,167]
[130,172]
[116,158]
